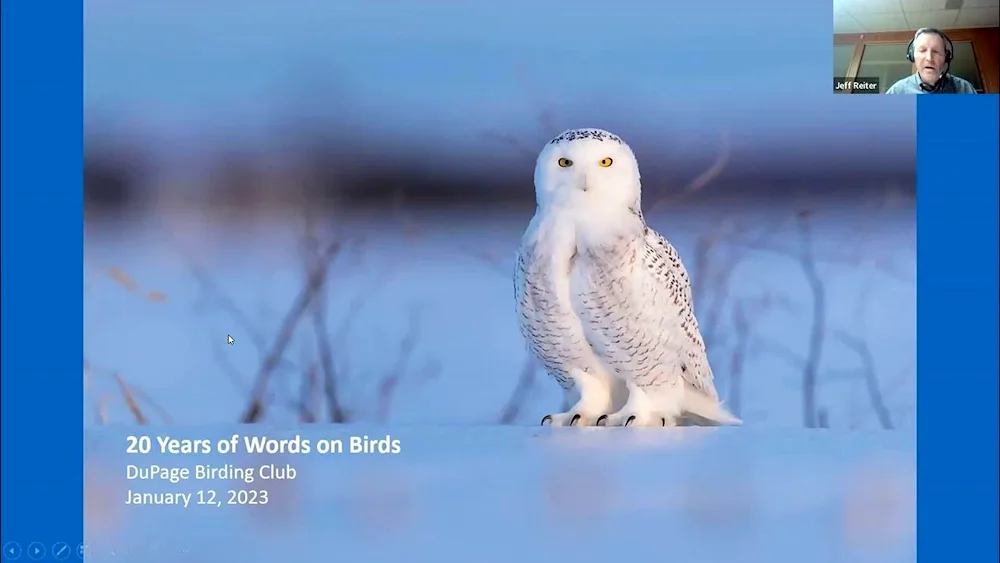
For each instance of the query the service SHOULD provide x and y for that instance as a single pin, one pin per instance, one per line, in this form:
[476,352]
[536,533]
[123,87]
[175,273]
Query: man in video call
[931,51]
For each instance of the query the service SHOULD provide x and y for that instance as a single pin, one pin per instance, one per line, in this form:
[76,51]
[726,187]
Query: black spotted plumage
[580,134]
[544,320]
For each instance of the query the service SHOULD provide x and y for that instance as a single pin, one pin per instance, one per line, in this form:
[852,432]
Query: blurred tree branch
[314,283]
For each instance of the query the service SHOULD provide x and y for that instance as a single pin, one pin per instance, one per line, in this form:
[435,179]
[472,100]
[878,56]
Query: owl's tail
[702,410]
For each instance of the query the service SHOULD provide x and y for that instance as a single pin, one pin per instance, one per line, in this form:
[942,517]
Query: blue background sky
[453,71]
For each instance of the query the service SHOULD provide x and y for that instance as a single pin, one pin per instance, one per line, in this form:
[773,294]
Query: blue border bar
[957,381]
[41,239]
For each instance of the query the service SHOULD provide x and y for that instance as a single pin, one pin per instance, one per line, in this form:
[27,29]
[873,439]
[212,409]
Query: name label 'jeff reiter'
[859,85]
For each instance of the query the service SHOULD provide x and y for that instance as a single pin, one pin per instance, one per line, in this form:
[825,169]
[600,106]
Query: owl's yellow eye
[565,162]
[604,162]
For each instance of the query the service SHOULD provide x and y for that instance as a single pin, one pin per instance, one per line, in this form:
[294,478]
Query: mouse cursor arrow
[229,339]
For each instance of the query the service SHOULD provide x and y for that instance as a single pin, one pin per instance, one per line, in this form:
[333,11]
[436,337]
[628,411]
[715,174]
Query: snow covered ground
[429,298]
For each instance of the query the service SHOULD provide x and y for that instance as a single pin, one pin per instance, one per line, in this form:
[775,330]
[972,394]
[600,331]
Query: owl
[603,300]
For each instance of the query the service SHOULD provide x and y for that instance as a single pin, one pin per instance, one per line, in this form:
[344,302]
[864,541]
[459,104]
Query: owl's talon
[601,420]
[547,420]
[636,420]
[574,420]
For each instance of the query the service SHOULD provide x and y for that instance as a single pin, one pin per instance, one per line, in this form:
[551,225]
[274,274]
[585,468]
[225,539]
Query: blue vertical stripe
[957,328]
[42,274]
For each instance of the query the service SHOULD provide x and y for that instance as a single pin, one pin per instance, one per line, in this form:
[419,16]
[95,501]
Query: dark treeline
[116,179]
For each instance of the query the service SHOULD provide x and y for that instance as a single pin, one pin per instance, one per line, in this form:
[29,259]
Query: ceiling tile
[978,17]
[922,5]
[981,4]
[847,5]
[941,19]
[846,23]
[883,22]
[874,7]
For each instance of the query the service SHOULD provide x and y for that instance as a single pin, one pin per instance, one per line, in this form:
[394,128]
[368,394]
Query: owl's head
[587,169]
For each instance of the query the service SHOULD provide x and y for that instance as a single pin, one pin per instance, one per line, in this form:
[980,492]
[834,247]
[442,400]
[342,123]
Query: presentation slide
[473,282]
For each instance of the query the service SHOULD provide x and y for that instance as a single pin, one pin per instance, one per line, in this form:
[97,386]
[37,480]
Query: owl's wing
[519,285]
[666,272]
[525,305]
[541,320]
[637,315]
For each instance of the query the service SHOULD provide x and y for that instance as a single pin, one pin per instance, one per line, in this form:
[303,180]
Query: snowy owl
[603,300]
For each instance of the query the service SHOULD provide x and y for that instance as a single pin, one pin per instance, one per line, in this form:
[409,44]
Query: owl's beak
[581,183]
